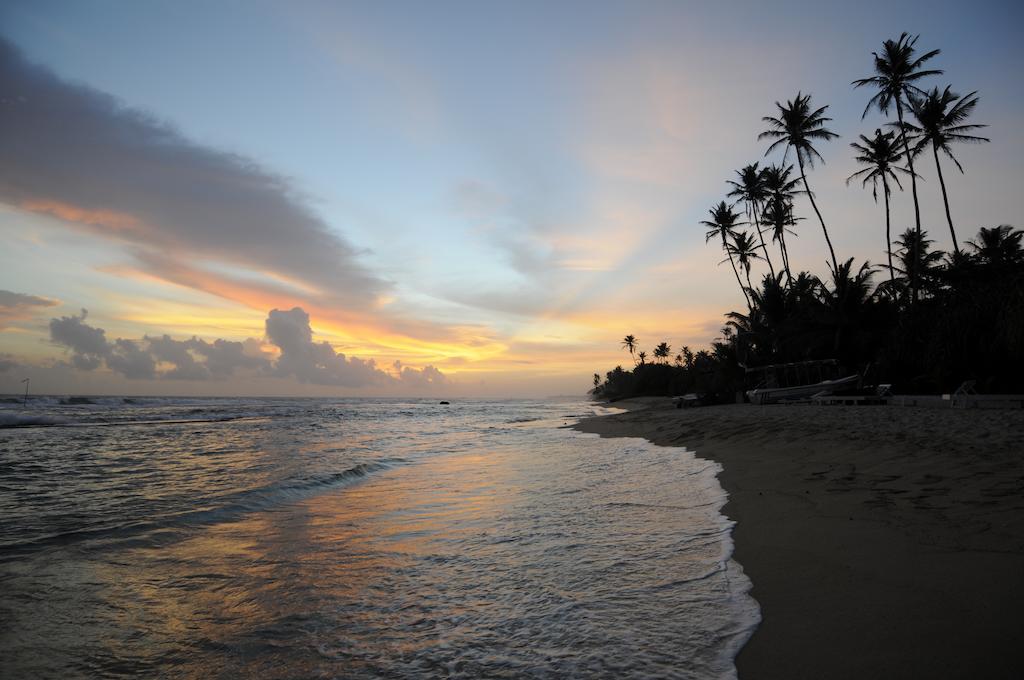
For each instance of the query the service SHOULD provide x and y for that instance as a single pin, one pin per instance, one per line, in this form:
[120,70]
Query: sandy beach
[882,542]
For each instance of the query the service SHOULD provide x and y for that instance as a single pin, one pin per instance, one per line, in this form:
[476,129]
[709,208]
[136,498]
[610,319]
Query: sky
[423,199]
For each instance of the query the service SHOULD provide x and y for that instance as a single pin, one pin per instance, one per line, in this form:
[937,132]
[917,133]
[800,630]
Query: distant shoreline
[882,542]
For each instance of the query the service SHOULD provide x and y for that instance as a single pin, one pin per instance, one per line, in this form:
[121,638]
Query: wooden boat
[771,395]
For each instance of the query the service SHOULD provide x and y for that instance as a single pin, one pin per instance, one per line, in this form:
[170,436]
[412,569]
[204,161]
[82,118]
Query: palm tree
[643,357]
[687,356]
[752,191]
[999,245]
[880,155]
[940,118]
[629,342]
[848,298]
[779,217]
[915,255]
[798,127]
[778,210]
[723,224]
[662,351]
[745,250]
[896,71]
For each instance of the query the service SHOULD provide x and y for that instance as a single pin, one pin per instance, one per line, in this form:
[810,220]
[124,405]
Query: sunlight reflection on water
[487,541]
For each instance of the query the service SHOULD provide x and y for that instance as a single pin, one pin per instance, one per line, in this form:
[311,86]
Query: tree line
[937,318]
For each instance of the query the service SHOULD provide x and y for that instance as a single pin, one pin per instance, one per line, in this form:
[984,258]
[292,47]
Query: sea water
[351,538]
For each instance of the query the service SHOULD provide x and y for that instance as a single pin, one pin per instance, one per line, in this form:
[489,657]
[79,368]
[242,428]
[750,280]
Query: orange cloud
[112,220]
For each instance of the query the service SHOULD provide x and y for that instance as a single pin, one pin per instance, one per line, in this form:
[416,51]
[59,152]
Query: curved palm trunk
[913,191]
[757,226]
[810,195]
[750,286]
[945,199]
[888,234]
[735,271]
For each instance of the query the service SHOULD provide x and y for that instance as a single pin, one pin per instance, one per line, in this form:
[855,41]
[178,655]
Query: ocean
[357,538]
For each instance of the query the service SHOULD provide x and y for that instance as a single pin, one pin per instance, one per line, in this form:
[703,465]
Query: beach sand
[882,542]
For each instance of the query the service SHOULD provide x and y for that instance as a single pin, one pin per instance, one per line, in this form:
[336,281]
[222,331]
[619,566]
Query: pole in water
[25,403]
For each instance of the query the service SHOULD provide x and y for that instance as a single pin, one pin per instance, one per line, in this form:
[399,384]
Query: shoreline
[882,542]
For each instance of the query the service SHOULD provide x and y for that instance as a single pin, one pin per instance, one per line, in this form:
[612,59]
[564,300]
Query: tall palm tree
[940,122]
[723,224]
[745,250]
[999,245]
[643,357]
[798,127]
[752,191]
[778,210]
[896,72]
[629,342]
[881,156]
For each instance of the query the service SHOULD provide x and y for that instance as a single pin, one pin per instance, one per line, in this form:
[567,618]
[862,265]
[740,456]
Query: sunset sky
[429,198]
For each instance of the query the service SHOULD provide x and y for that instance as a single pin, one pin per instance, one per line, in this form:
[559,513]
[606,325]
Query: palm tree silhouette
[778,210]
[999,245]
[752,191]
[643,357]
[880,155]
[629,342]
[896,71]
[662,351]
[940,117]
[798,127]
[745,250]
[723,223]
[915,255]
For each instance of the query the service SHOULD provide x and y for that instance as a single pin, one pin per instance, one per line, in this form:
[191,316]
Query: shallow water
[357,538]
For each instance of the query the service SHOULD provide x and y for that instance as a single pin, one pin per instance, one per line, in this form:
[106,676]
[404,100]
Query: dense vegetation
[925,321]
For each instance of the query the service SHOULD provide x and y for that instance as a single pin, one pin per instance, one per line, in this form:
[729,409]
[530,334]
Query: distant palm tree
[915,255]
[798,127]
[847,299]
[723,224]
[687,356]
[629,342]
[881,156]
[643,357]
[940,118]
[999,245]
[597,381]
[745,251]
[752,191]
[896,71]
[778,210]
[662,351]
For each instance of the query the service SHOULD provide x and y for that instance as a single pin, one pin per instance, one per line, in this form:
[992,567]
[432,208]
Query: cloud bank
[79,155]
[299,356]
[15,306]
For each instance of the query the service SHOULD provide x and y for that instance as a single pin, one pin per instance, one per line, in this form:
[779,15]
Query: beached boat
[771,395]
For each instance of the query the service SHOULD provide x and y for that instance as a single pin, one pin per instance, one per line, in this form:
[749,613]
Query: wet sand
[882,542]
